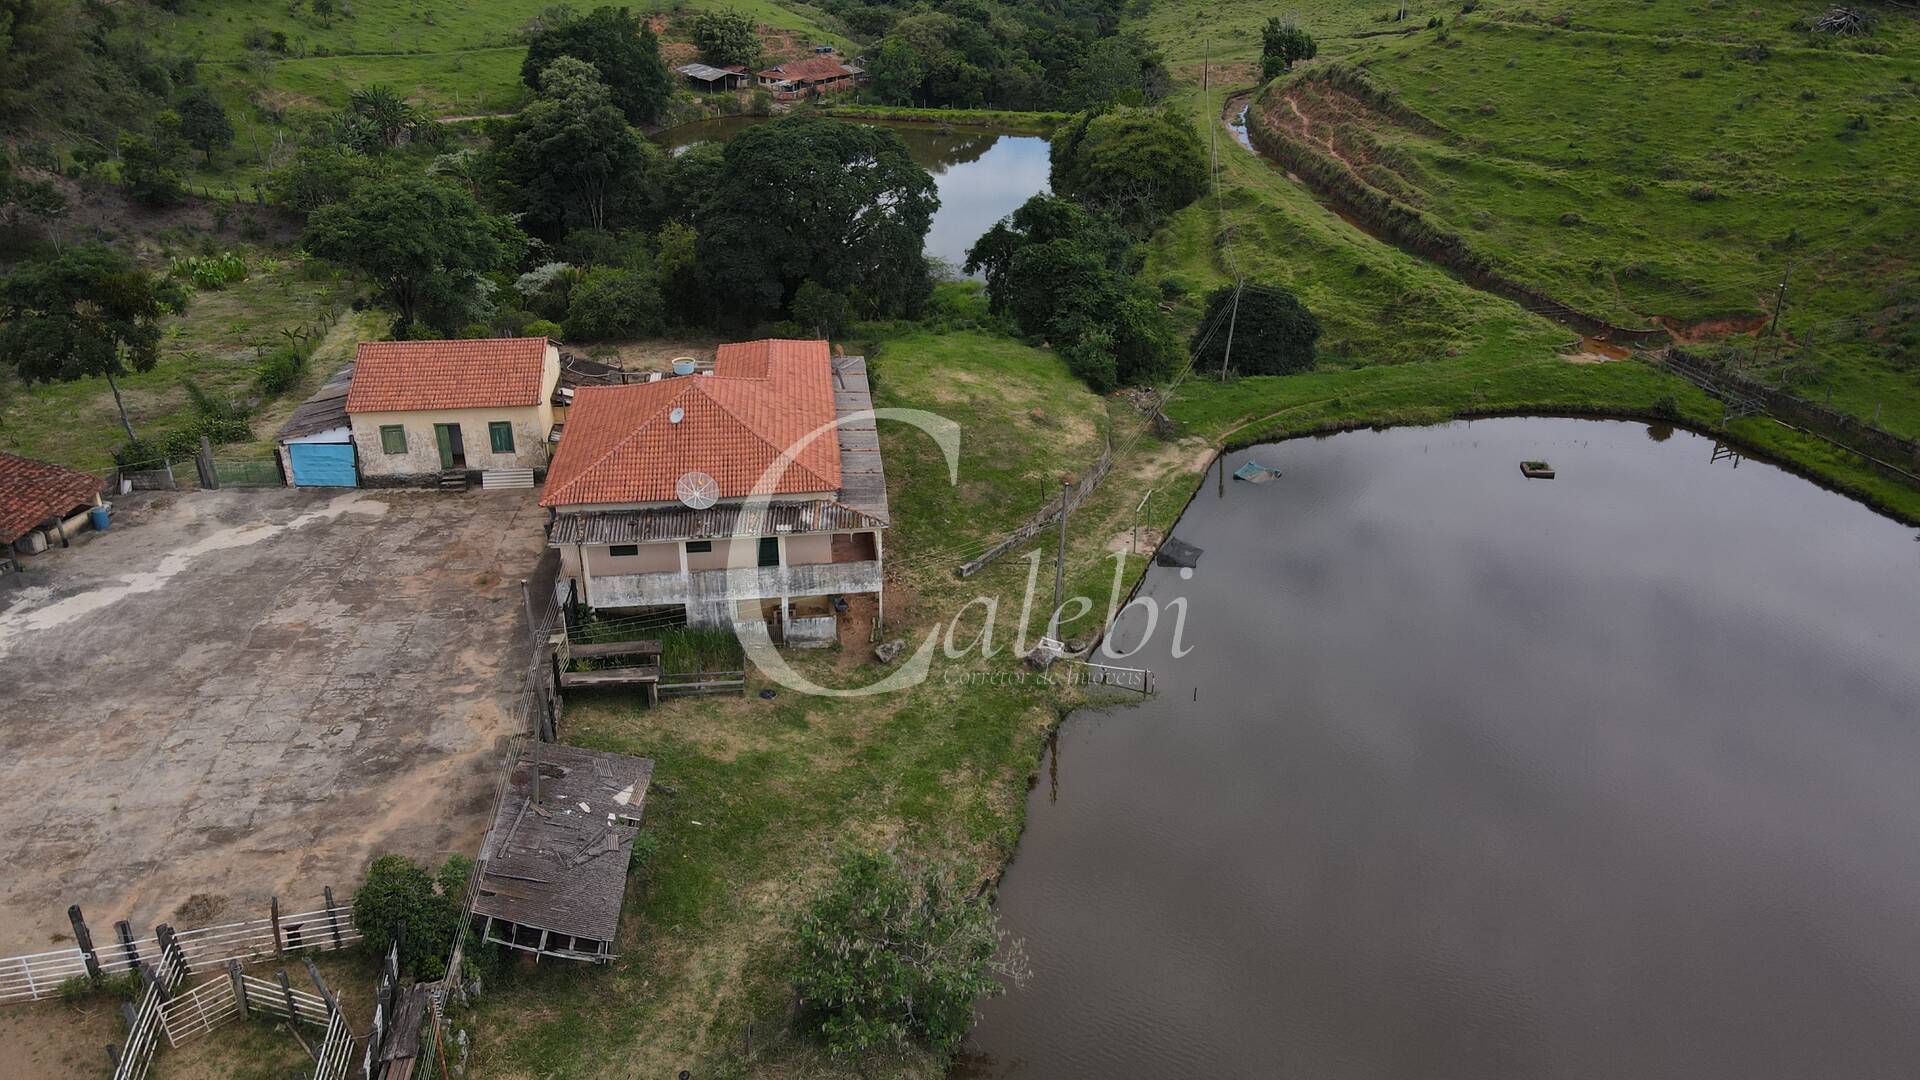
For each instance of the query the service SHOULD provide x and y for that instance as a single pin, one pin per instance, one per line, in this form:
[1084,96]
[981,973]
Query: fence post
[326,995]
[113,1058]
[83,938]
[239,986]
[170,952]
[333,916]
[273,912]
[286,988]
[203,464]
[125,931]
[153,978]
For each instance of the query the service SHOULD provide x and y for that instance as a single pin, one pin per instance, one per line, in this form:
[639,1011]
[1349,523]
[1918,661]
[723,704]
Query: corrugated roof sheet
[624,445]
[33,491]
[486,373]
[324,411]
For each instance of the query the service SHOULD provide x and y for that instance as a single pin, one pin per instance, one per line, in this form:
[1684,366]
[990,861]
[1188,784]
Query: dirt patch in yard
[277,686]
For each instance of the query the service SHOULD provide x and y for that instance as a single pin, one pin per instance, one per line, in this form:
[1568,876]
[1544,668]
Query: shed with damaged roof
[553,869]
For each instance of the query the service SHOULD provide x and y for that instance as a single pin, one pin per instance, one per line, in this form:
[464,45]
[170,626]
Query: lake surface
[1613,776]
[982,175]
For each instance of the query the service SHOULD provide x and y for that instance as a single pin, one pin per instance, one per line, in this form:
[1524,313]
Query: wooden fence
[1064,503]
[37,976]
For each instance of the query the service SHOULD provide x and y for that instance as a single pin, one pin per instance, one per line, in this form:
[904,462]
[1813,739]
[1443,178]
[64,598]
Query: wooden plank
[631,676]
[635,647]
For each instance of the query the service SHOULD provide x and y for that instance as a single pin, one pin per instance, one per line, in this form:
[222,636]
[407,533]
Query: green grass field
[216,344]
[1640,172]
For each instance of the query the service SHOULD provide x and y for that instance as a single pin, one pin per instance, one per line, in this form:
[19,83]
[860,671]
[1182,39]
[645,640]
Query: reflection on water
[982,175]
[1475,777]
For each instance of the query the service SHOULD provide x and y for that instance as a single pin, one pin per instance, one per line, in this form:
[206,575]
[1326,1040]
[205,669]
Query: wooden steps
[453,480]
[501,479]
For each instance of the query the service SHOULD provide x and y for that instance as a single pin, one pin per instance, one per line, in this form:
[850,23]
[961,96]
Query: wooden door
[453,453]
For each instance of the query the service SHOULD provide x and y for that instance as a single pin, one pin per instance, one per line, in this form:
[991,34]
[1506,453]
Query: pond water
[983,175]
[1615,775]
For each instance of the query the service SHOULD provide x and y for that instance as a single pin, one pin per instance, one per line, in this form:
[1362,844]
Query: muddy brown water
[1479,777]
[982,174]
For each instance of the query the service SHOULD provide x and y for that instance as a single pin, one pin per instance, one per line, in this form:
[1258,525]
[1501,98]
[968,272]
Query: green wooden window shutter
[501,432]
[393,438]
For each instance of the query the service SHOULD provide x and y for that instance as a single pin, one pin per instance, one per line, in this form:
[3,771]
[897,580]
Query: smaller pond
[982,174]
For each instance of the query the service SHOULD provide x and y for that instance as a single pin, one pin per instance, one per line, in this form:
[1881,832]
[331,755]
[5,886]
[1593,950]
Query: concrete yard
[248,693]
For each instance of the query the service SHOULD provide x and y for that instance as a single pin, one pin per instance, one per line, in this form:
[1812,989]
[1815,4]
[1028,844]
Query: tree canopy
[621,47]
[893,952]
[88,312]
[1060,272]
[1283,43]
[1273,332]
[727,37]
[570,161]
[1138,164]
[424,242]
[203,121]
[806,198]
[964,53]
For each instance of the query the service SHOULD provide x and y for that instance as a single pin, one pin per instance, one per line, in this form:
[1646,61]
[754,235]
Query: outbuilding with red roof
[38,497]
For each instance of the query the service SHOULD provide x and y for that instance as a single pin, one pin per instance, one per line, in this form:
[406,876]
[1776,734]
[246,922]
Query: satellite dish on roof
[697,490]
[677,415]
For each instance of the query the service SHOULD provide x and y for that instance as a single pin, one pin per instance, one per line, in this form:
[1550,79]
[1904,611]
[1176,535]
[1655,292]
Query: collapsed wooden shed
[553,868]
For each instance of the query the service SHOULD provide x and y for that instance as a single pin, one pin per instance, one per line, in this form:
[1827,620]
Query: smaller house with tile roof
[751,493]
[41,503]
[421,410]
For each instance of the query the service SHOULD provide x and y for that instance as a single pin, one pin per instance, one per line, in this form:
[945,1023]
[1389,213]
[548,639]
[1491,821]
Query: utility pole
[1060,560]
[1780,298]
[1206,67]
[1232,320]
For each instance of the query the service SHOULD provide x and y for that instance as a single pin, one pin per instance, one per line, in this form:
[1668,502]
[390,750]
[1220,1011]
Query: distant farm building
[809,77]
[712,79]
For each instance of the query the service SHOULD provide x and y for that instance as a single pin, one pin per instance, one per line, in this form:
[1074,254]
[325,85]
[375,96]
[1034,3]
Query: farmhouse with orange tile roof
[743,493]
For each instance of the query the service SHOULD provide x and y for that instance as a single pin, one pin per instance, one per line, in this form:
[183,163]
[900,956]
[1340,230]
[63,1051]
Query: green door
[453,455]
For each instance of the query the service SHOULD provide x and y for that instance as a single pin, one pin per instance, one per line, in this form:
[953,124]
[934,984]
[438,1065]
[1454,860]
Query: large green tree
[1042,219]
[806,198]
[727,37]
[89,312]
[425,243]
[1283,43]
[1060,272]
[570,161]
[1138,164]
[1273,332]
[894,952]
[203,122]
[620,46]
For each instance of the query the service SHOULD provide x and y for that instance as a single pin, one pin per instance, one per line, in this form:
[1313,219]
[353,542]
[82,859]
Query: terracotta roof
[33,491]
[622,444]
[397,376]
[812,69]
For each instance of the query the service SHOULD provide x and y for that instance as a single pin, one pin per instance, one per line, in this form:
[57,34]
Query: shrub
[545,328]
[279,371]
[610,303]
[1273,333]
[1572,217]
[398,890]
[1703,193]
[893,952]
[209,272]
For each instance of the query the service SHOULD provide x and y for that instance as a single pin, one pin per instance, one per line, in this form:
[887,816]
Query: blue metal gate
[323,465]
